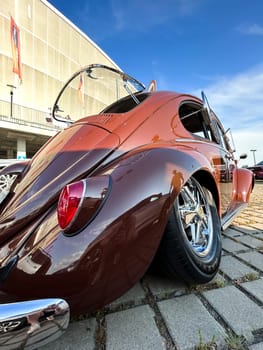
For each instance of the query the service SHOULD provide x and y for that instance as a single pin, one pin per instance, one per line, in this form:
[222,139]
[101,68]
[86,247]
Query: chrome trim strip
[193,140]
[228,218]
[31,324]
[204,141]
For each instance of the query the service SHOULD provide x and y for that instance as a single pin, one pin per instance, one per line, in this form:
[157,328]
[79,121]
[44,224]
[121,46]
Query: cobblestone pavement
[157,313]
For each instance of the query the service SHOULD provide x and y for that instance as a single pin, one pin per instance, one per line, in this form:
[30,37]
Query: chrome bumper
[31,324]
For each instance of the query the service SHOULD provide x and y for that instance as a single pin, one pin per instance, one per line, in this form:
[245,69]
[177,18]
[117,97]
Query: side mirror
[243,156]
[206,108]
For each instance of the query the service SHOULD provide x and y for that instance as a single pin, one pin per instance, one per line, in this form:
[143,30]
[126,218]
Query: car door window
[191,116]
[224,138]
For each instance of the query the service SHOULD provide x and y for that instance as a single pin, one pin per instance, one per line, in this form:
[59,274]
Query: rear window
[125,104]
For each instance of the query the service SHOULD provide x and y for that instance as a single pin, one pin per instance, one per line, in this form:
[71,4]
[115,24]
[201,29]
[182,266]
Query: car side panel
[97,265]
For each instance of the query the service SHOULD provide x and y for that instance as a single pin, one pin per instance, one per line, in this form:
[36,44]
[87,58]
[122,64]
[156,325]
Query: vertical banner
[15,45]
[80,89]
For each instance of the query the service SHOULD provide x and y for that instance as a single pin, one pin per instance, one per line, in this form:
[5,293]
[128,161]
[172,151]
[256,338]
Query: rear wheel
[191,245]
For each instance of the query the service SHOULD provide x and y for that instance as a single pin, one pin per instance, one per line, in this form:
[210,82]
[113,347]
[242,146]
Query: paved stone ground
[156,313]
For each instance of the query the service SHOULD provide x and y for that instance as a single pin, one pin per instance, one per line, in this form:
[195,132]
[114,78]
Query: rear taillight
[69,202]
[80,202]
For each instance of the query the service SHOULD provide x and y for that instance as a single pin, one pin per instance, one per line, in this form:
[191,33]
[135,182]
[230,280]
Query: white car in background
[7,180]
[5,162]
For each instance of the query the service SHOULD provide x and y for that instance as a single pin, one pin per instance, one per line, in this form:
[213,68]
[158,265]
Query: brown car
[141,178]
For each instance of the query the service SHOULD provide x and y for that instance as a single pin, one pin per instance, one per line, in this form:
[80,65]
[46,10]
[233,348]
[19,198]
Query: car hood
[70,155]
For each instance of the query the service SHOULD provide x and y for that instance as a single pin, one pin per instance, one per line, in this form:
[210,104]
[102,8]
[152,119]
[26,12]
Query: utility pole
[254,156]
[12,87]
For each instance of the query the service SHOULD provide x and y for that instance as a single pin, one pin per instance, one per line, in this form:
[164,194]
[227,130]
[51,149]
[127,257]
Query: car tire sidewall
[177,255]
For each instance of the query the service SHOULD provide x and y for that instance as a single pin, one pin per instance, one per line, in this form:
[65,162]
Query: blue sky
[187,46]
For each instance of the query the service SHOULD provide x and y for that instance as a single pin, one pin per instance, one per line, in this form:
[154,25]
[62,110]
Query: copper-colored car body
[133,160]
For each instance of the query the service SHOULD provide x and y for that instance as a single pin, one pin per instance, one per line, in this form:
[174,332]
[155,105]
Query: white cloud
[142,15]
[253,29]
[133,16]
[247,140]
[238,102]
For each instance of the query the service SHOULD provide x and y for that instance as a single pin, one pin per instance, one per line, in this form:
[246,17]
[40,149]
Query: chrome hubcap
[196,218]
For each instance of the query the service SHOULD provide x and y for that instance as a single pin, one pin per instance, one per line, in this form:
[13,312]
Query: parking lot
[159,313]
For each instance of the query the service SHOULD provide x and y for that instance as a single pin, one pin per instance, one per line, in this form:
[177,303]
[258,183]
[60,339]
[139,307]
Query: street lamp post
[12,87]
[254,156]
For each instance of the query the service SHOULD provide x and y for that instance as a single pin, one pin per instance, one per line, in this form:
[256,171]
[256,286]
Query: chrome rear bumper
[31,324]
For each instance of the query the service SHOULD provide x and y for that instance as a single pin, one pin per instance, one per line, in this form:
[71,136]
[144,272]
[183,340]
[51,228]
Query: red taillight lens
[69,202]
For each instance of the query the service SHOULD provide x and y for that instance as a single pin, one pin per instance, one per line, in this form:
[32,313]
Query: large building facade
[51,49]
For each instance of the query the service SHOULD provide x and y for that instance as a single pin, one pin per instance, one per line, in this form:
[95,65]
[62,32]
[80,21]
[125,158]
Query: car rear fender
[154,173]
[243,183]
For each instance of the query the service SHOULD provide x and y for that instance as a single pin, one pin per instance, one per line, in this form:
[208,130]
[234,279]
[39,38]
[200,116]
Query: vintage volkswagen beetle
[149,178]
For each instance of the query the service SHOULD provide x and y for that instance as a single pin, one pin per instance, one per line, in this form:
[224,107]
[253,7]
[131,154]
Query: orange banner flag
[15,45]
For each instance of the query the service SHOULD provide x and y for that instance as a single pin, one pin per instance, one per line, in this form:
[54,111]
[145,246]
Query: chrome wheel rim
[6,182]
[196,218]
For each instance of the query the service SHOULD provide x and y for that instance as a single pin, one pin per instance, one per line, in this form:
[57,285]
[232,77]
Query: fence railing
[27,116]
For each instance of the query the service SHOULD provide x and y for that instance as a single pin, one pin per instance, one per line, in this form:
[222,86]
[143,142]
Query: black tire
[191,246]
